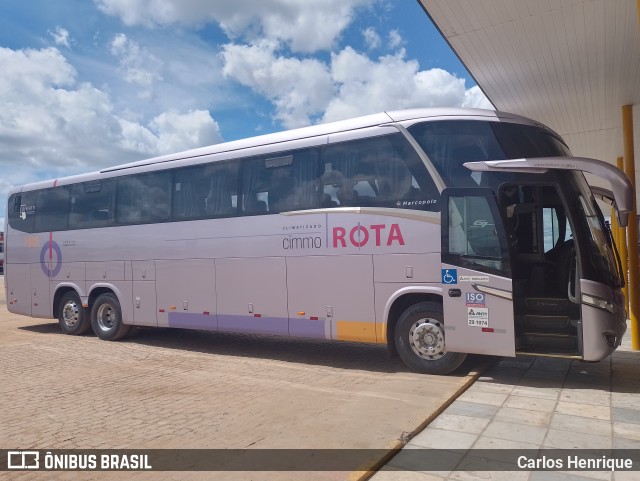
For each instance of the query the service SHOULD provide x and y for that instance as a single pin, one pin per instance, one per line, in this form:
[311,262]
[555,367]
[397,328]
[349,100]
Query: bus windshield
[603,258]
[451,143]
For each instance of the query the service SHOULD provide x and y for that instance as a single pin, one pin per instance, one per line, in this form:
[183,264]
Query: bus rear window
[22,211]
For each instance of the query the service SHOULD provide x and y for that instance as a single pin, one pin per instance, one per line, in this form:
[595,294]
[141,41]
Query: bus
[436,232]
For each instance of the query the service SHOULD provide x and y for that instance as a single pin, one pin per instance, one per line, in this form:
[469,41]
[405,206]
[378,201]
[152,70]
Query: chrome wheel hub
[70,313]
[426,338]
[106,317]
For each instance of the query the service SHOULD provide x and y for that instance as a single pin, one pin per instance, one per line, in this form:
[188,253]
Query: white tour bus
[437,232]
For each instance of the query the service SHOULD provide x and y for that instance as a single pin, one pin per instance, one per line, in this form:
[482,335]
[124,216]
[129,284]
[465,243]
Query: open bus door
[476,277]
[558,311]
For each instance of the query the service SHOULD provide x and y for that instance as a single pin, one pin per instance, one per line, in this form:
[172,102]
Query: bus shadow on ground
[619,373]
[333,354]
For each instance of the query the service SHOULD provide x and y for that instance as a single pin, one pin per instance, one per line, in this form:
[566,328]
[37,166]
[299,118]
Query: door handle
[455,293]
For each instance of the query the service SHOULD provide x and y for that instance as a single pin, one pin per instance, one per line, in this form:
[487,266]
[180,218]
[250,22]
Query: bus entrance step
[547,322]
[546,304]
[548,342]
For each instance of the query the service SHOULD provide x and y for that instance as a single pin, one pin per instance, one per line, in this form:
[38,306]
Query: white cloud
[51,125]
[171,132]
[395,39]
[476,99]
[298,88]
[60,36]
[156,72]
[305,90]
[139,66]
[371,38]
[392,82]
[176,131]
[306,26]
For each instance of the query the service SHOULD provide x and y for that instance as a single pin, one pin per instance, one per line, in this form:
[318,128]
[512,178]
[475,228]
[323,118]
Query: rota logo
[360,235]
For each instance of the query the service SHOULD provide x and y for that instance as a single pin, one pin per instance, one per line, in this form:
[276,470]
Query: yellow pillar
[632,228]
[622,250]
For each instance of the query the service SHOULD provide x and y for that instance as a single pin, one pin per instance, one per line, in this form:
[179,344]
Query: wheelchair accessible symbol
[449,276]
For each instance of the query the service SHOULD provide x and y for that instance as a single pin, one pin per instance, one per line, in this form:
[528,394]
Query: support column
[622,250]
[632,228]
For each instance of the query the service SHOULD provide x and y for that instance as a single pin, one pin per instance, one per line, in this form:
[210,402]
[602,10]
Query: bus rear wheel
[106,318]
[420,341]
[72,317]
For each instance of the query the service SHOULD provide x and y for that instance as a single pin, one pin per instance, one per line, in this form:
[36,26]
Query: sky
[87,84]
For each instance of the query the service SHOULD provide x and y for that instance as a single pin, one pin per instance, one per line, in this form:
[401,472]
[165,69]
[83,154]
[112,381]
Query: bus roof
[290,135]
[322,129]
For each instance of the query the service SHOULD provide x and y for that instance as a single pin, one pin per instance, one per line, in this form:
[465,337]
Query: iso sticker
[478,316]
[475,299]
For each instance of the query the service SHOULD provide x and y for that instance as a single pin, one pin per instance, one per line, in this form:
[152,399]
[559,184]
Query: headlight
[598,302]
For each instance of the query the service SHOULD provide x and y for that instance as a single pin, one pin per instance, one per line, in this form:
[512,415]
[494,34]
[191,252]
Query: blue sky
[88,84]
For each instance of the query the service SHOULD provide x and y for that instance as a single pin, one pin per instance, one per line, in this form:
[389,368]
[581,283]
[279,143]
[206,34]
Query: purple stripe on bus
[307,328]
[257,325]
[190,320]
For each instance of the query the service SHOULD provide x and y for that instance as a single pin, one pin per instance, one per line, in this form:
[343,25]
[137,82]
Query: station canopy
[570,64]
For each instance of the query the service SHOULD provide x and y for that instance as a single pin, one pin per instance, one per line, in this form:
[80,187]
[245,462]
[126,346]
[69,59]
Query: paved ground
[188,389]
[527,403]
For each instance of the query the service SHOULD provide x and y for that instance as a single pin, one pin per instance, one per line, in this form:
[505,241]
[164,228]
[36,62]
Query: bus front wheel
[419,338]
[72,317]
[106,318]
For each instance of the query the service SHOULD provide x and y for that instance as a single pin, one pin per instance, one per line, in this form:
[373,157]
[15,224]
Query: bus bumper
[602,329]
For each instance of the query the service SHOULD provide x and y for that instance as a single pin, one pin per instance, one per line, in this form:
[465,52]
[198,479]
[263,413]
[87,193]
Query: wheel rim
[106,317]
[426,338]
[70,313]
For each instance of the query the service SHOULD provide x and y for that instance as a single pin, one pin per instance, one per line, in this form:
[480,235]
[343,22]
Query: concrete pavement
[170,388]
[532,403]
[191,389]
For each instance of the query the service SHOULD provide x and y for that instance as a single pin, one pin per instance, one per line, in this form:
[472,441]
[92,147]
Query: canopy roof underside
[570,64]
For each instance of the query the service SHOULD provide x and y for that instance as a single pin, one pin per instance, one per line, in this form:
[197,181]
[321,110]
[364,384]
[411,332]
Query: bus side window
[52,208]
[451,143]
[255,185]
[222,182]
[281,182]
[205,191]
[381,171]
[144,198]
[92,204]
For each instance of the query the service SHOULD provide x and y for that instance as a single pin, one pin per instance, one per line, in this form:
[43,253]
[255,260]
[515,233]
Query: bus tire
[419,340]
[72,317]
[106,318]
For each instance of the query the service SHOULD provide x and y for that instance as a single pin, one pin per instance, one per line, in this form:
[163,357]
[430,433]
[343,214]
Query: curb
[369,471]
